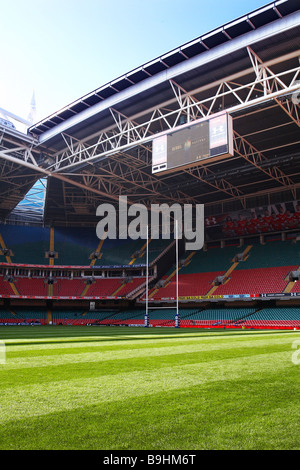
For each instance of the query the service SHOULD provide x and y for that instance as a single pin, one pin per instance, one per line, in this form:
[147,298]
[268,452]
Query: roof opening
[31,208]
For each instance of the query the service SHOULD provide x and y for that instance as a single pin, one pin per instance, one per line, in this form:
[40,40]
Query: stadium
[139,343]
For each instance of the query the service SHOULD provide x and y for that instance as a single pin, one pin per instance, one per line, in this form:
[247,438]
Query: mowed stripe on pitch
[100,353]
[61,395]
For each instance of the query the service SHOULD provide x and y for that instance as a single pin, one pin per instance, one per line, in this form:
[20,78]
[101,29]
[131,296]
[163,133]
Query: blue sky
[63,49]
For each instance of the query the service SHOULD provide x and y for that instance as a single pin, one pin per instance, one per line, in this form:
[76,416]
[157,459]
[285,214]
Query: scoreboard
[193,143]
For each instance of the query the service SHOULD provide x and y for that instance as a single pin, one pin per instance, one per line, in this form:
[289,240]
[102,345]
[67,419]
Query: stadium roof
[100,146]
[211,40]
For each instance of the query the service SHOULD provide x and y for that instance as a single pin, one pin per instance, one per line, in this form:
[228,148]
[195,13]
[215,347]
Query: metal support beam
[127,132]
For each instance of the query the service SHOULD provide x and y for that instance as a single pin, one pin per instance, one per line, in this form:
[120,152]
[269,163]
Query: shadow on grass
[66,334]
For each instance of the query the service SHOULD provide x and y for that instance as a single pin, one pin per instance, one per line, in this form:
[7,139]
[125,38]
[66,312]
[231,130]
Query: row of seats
[274,253]
[263,269]
[269,317]
[70,287]
[28,315]
[274,317]
[257,281]
[250,281]
[74,247]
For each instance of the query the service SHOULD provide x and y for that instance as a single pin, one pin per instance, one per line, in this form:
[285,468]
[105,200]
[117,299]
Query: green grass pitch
[119,388]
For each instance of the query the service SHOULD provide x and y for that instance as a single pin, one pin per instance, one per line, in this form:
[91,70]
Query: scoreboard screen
[193,143]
